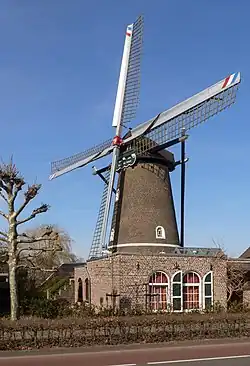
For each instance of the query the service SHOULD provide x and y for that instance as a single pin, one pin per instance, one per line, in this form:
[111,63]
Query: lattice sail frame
[173,128]
[93,153]
[166,126]
[96,246]
[132,88]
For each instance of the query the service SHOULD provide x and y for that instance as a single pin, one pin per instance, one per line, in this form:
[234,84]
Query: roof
[66,270]
[246,253]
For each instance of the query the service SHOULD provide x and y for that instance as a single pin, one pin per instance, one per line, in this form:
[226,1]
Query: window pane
[208,302]
[208,290]
[208,278]
[191,278]
[158,297]
[159,232]
[158,277]
[191,297]
[176,289]
[177,277]
[195,278]
[176,304]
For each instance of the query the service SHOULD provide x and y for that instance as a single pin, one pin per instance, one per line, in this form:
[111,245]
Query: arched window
[208,290]
[158,291]
[117,195]
[80,291]
[160,232]
[87,289]
[191,291]
[177,299]
[112,235]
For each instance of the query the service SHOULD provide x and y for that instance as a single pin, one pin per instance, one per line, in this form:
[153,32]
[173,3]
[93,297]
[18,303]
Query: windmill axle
[117,141]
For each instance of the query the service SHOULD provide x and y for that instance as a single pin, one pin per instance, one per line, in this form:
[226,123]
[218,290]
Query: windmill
[140,159]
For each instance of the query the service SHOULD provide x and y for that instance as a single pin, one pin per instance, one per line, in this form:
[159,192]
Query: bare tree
[44,254]
[49,258]
[236,279]
[14,242]
[236,273]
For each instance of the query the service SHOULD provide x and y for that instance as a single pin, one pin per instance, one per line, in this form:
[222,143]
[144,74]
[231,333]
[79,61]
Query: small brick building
[179,280]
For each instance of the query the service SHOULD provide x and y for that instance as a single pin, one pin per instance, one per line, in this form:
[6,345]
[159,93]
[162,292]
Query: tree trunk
[14,308]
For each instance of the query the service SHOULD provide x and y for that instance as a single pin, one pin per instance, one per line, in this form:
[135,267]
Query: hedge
[30,333]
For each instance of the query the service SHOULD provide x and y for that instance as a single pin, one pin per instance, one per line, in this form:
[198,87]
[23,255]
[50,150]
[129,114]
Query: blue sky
[59,66]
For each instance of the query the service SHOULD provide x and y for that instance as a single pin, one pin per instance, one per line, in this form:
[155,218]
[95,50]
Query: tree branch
[42,250]
[3,196]
[3,186]
[4,240]
[31,193]
[18,187]
[26,239]
[36,268]
[4,215]
[43,208]
[3,234]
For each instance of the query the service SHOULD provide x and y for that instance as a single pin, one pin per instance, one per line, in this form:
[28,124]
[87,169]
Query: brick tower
[144,215]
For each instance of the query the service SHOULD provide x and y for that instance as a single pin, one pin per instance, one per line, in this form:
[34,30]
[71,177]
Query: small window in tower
[160,232]
[112,235]
[117,195]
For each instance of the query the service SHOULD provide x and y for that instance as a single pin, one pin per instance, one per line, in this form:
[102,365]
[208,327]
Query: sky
[59,67]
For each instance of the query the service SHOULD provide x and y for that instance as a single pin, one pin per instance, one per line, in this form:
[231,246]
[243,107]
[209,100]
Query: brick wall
[246,297]
[128,275]
[138,217]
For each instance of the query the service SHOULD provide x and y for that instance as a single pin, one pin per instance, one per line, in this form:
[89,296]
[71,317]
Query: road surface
[199,353]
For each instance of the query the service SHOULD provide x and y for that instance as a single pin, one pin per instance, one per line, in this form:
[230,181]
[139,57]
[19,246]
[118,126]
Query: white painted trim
[159,283]
[144,245]
[112,235]
[122,78]
[163,233]
[212,288]
[162,284]
[193,284]
[177,297]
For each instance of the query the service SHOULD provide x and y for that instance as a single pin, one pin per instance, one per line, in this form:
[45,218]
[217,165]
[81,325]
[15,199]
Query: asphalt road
[202,353]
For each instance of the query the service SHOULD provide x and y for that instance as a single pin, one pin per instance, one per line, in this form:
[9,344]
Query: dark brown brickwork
[145,202]
[127,275]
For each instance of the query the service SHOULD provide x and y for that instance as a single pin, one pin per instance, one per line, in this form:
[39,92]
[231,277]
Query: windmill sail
[128,108]
[132,88]
[167,126]
[73,162]
[125,97]
[187,114]
[96,247]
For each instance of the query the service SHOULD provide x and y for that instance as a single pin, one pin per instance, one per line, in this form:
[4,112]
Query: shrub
[44,308]
[73,332]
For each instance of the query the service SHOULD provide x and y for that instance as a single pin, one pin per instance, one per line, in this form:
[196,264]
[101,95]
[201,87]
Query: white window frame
[192,284]
[204,282]
[172,293]
[117,195]
[163,236]
[112,235]
[161,284]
